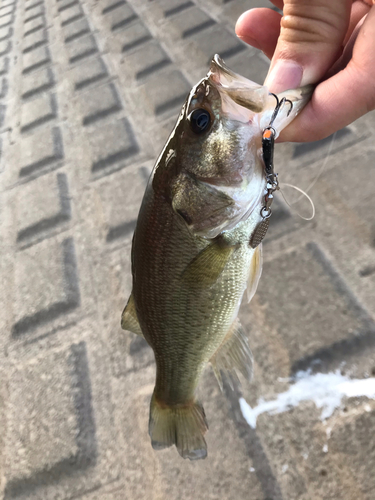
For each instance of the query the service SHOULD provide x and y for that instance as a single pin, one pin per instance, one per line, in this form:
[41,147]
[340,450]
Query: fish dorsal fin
[255,272]
[129,320]
[233,354]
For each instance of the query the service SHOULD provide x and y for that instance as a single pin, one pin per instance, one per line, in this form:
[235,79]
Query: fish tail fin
[182,425]
[233,354]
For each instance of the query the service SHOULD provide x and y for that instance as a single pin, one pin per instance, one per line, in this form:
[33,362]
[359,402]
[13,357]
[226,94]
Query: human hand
[331,42]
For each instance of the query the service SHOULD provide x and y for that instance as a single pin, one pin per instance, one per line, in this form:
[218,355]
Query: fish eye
[200,120]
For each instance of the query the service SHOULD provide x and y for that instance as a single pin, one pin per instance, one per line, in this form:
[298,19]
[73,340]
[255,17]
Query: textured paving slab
[89,91]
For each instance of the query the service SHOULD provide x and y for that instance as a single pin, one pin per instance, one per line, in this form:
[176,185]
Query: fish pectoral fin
[129,320]
[233,354]
[205,269]
[254,272]
[182,425]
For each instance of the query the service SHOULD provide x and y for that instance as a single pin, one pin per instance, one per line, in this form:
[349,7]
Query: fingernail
[286,74]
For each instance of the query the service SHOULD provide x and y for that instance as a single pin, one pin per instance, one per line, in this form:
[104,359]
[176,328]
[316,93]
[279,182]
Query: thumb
[311,37]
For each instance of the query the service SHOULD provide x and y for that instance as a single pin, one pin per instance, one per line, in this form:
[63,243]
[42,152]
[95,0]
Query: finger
[260,28]
[278,3]
[359,10]
[347,54]
[346,96]
[311,36]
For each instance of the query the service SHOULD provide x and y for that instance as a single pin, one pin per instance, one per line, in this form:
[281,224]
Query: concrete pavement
[89,91]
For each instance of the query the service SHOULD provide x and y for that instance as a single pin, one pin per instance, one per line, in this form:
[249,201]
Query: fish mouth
[244,92]
[256,99]
[241,98]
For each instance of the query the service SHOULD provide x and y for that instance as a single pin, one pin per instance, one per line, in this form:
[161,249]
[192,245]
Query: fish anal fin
[205,269]
[180,425]
[129,320]
[233,354]
[255,272]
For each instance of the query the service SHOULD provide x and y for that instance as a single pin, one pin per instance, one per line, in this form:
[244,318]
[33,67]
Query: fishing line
[312,184]
[302,195]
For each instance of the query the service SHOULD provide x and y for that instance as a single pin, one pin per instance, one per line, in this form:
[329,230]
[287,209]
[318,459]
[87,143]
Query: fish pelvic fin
[255,272]
[129,320]
[233,354]
[180,425]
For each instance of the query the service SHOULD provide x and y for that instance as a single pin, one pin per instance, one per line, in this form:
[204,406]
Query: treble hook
[268,140]
[279,105]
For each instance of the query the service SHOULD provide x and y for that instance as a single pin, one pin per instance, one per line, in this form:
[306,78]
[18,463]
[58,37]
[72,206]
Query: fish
[197,245]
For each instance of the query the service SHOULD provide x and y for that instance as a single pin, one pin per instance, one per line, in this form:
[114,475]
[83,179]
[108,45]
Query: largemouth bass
[197,245]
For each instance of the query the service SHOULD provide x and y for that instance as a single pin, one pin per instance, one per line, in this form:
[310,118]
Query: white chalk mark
[326,390]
